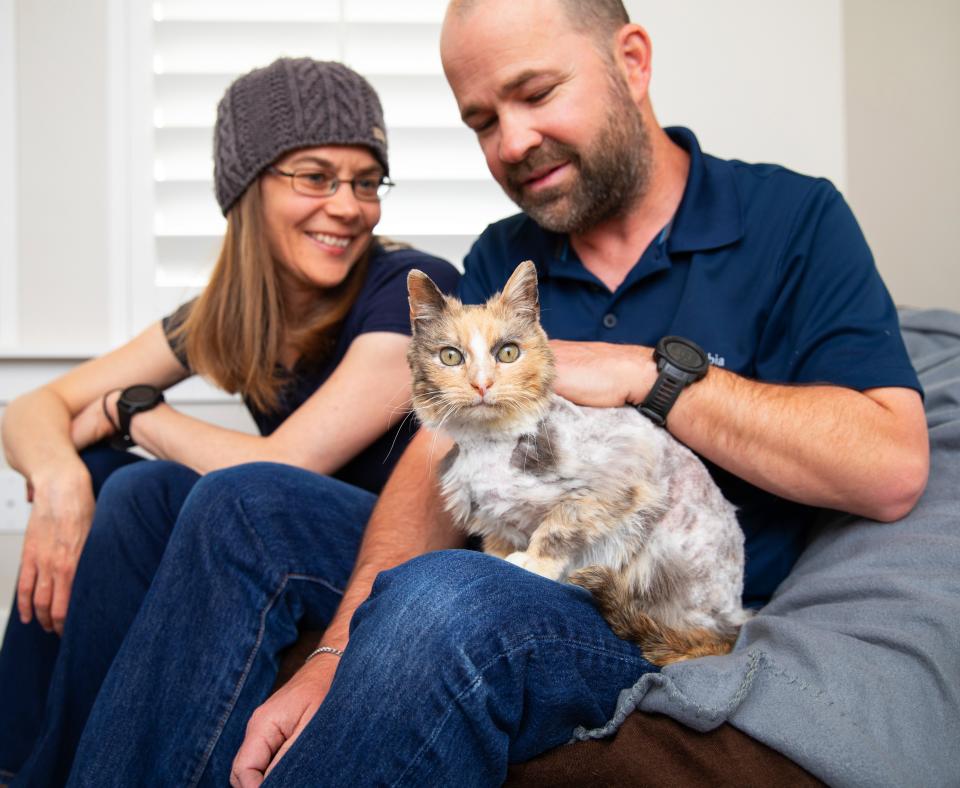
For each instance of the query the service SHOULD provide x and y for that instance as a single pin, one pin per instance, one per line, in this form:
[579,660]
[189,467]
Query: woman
[305,315]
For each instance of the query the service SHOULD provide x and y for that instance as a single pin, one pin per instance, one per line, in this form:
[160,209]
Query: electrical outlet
[14,509]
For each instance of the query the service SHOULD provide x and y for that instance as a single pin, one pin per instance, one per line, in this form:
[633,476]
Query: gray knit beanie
[291,104]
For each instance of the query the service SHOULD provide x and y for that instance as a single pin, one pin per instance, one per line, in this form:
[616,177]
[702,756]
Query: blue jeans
[29,654]
[48,684]
[457,664]
[257,550]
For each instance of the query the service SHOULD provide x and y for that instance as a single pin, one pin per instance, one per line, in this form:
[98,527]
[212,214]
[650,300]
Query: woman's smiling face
[317,240]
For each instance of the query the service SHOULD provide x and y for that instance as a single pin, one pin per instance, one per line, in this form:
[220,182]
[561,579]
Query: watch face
[140,395]
[685,355]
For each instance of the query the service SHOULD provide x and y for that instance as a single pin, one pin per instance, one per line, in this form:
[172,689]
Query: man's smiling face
[554,118]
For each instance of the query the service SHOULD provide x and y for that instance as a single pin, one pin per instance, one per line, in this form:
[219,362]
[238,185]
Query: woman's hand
[56,532]
[91,425]
[275,726]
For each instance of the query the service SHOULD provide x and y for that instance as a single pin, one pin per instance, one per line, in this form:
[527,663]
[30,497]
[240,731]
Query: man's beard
[610,176]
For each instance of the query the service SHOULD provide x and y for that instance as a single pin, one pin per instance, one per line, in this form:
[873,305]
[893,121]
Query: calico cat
[598,497]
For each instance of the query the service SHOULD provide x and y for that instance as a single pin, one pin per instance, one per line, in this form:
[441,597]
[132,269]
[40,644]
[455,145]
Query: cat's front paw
[539,566]
[518,558]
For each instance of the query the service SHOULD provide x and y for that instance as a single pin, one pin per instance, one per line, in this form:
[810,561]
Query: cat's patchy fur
[599,497]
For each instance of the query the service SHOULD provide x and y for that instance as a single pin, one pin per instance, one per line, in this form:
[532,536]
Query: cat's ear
[426,300]
[520,294]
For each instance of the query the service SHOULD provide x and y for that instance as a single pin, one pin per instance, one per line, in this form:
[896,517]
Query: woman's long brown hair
[236,328]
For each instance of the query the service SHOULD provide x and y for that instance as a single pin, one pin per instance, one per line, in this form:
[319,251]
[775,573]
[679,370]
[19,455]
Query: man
[459,663]
[557,93]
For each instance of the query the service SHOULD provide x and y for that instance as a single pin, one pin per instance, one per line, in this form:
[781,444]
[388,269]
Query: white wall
[8,184]
[62,157]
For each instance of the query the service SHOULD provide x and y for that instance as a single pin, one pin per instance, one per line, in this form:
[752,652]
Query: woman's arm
[368,392]
[38,443]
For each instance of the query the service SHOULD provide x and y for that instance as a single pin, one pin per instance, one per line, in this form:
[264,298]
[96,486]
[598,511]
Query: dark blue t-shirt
[767,270]
[381,306]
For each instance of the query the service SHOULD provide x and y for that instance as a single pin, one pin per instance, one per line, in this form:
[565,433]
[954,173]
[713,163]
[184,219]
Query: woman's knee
[268,495]
[136,509]
[253,485]
[147,491]
[102,461]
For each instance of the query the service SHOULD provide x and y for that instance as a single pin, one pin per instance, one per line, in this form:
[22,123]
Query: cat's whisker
[451,409]
[398,410]
[396,434]
[429,398]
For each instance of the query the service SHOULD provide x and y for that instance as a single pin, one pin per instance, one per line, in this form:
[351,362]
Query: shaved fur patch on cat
[534,453]
[448,460]
[598,497]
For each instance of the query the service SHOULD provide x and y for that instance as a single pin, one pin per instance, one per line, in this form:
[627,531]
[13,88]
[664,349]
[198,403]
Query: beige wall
[903,142]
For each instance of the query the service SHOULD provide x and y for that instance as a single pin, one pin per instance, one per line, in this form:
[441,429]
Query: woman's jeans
[48,684]
[457,664]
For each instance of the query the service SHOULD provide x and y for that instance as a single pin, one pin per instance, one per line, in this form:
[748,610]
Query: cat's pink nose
[481,388]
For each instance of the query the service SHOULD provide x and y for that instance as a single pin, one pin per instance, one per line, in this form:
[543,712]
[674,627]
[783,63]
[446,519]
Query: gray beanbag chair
[853,669]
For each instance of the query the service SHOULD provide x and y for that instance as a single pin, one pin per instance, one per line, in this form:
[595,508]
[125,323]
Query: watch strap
[657,404]
[680,362]
[126,410]
[123,439]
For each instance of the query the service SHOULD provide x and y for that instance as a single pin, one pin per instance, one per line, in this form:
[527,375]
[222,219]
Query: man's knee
[451,596]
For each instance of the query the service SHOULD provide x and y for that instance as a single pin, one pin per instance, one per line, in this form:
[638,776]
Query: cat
[598,497]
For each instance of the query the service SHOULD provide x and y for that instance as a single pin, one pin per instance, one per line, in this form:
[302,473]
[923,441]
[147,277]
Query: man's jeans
[457,664]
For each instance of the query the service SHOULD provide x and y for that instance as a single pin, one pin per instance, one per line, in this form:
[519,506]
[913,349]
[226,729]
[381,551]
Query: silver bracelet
[323,650]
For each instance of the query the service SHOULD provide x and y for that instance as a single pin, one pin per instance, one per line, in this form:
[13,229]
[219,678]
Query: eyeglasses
[316,183]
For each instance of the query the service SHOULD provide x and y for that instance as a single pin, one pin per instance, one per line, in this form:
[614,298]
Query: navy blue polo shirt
[381,305]
[764,268]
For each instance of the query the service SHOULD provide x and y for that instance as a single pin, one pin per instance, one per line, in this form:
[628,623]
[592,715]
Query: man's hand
[275,726]
[603,375]
[56,532]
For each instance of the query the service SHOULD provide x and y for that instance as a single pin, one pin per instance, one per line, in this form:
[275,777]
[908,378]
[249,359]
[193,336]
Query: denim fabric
[457,664]
[256,549]
[29,654]
[136,508]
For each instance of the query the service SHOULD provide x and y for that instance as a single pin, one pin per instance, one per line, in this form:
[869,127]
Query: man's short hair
[598,18]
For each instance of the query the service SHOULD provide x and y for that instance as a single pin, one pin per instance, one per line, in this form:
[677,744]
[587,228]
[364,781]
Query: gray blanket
[853,669]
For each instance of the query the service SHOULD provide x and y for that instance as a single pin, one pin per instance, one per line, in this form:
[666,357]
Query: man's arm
[861,452]
[408,520]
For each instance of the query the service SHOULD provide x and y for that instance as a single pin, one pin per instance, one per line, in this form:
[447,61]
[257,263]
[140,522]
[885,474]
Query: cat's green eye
[508,353]
[451,356]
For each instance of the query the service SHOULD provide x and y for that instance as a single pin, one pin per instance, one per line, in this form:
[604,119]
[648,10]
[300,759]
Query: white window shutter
[444,197]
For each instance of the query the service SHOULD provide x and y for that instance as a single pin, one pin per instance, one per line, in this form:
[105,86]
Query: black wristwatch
[133,400]
[680,363]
